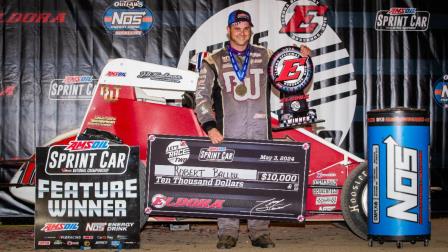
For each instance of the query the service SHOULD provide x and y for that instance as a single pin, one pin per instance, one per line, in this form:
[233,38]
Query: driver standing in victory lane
[232,100]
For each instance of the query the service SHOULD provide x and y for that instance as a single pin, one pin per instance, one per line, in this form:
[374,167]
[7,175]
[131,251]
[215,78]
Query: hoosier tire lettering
[353,209]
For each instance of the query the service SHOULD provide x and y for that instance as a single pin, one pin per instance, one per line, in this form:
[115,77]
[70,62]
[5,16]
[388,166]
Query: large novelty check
[191,177]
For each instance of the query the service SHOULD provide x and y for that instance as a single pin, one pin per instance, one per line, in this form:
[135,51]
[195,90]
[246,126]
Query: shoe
[263,241]
[226,242]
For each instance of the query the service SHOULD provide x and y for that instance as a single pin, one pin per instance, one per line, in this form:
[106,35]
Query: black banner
[191,177]
[87,196]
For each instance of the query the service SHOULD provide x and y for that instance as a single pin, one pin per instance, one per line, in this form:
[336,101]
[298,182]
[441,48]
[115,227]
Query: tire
[142,185]
[354,201]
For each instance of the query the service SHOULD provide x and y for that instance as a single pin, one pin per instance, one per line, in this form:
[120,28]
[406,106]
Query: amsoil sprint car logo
[128,18]
[72,87]
[216,154]
[101,159]
[289,71]
[304,20]
[56,227]
[160,201]
[441,92]
[177,152]
[402,19]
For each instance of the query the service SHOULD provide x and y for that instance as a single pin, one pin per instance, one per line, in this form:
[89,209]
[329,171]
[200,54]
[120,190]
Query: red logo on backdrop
[32,17]
[160,201]
[305,22]
[8,90]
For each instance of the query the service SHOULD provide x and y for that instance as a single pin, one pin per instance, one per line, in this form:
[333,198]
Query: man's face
[239,34]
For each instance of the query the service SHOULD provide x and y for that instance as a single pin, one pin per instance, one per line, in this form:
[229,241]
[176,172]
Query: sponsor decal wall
[366,55]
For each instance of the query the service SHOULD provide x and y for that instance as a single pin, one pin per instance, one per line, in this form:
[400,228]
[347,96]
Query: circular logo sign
[441,92]
[128,19]
[289,71]
[158,201]
[177,152]
[304,20]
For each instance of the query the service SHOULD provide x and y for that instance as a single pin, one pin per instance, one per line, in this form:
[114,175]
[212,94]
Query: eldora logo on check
[177,152]
[160,201]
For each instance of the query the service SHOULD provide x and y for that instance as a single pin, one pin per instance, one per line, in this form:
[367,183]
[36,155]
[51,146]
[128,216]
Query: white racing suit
[235,116]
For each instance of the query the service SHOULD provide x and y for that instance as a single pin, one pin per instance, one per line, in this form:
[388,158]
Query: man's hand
[305,51]
[215,136]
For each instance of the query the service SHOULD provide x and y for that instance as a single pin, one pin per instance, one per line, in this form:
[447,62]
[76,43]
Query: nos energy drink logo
[441,92]
[128,18]
[402,180]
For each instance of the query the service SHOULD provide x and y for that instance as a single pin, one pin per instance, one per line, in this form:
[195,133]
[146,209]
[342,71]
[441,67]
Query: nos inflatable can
[398,195]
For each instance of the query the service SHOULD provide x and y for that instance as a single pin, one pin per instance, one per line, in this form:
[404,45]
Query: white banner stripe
[333,90]
[329,57]
[337,71]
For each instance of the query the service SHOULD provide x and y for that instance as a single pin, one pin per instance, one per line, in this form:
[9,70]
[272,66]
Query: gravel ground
[202,237]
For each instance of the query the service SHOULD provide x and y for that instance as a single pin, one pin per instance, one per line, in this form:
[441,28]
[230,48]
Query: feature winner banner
[87,196]
[191,177]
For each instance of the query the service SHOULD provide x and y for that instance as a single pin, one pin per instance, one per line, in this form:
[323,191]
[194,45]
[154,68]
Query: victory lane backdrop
[366,54]
[191,177]
[87,198]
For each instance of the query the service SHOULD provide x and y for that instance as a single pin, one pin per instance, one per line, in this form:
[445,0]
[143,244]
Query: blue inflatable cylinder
[398,195]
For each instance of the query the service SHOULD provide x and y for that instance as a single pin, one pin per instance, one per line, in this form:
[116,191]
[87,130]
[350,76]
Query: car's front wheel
[354,200]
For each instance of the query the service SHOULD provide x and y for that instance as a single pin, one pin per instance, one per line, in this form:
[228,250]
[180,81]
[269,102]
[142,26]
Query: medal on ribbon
[240,73]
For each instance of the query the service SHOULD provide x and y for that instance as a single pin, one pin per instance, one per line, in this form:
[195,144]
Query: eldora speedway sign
[190,177]
[87,196]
